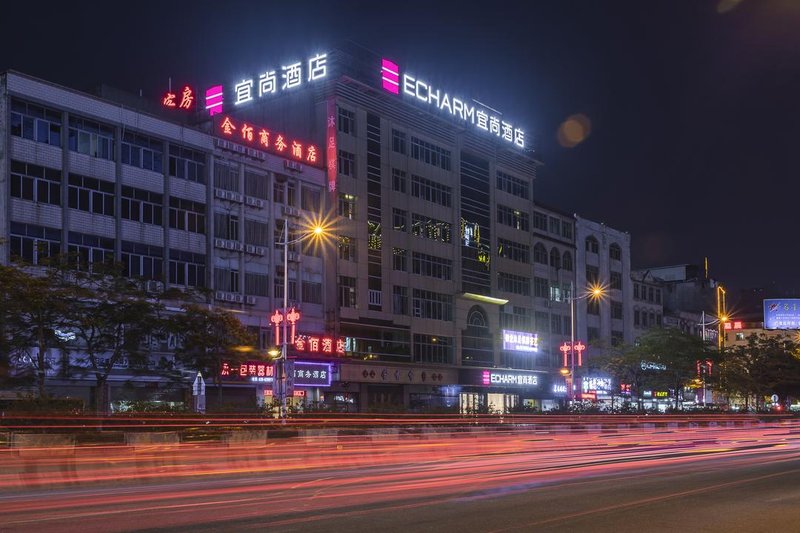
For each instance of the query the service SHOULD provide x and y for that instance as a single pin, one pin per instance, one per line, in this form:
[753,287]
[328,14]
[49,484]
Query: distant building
[604,260]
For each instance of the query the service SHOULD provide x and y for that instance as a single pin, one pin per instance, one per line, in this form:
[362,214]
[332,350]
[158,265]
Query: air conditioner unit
[219,243]
[249,200]
[220,295]
[294,257]
[261,204]
[238,298]
[260,250]
[291,211]
[250,300]
[250,249]
[230,245]
[238,198]
[153,286]
[219,193]
[239,246]
[230,297]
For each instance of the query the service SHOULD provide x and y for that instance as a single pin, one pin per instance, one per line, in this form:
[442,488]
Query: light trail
[327,475]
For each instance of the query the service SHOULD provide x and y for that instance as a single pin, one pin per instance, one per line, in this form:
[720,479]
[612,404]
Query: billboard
[782,313]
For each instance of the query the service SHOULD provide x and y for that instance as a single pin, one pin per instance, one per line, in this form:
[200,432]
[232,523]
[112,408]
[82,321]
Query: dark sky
[693,104]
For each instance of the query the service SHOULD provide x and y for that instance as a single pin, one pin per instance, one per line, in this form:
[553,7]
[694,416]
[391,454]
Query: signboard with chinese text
[499,377]
[312,374]
[601,385]
[261,138]
[183,99]
[320,344]
[274,81]
[783,313]
[259,371]
[480,116]
[330,144]
[520,341]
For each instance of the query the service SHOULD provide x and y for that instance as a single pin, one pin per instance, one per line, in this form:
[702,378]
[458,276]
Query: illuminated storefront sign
[180,100]
[520,341]
[307,374]
[733,325]
[263,139]
[649,365]
[493,377]
[273,81]
[782,314]
[319,344]
[295,393]
[251,370]
[596,384]
[480,116]
[660,394]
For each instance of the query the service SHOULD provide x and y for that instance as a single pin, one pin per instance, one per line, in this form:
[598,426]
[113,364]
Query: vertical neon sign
[330,144]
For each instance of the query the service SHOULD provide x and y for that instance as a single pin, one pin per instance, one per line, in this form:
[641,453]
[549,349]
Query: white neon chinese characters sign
[274,81]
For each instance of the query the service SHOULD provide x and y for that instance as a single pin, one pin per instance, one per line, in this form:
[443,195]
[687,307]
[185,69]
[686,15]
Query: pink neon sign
[390,76]
[214,98]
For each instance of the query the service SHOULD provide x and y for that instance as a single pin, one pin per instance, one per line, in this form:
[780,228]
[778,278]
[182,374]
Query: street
[700,478]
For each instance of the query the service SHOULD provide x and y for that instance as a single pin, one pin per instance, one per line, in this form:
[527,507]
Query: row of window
[645,319]
[614,249]
[554,225]
[645,293]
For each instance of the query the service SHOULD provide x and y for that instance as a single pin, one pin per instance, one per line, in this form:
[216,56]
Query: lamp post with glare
[594,292]
[280,364]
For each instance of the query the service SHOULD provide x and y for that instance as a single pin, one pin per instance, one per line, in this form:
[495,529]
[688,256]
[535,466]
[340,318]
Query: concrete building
[603,258]
[176,206]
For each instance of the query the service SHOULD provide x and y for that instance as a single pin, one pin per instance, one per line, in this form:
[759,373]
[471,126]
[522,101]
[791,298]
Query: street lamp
[317,231]
[593,292]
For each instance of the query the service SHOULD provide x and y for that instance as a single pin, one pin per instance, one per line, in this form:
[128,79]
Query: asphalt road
[700,479]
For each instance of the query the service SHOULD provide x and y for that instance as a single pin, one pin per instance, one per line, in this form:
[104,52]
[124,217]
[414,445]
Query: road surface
[681,479]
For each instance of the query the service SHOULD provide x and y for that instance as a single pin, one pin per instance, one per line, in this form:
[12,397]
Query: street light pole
[285,321]
[281,364]
[572,341]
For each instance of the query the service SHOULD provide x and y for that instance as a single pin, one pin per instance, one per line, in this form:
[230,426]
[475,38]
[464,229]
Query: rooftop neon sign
[480,116]
[292,76]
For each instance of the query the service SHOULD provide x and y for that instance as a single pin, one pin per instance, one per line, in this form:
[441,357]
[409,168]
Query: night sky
[692,104]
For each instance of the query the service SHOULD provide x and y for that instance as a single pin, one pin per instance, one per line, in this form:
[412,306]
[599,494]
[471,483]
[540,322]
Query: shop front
[503,391]
[384,387]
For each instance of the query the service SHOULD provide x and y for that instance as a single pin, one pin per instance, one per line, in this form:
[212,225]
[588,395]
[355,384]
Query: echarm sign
[479,116]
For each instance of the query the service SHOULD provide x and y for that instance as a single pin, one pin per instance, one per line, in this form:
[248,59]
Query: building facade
[445,285]
[174,205]
[604,261]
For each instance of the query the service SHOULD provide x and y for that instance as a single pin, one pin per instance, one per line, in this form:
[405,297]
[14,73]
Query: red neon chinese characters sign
[319,344]
[183,100]
[264,139]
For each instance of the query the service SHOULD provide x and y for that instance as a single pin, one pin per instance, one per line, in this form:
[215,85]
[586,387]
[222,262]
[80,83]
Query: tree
[207,337]
[32,311]
[662,357]
[678,352]
[113,319]
[765,365]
